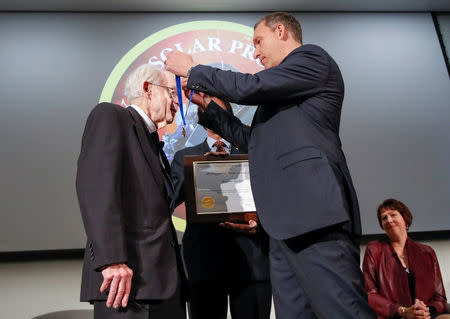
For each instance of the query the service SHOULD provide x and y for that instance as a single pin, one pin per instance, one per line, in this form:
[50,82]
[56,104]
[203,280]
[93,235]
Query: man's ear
[282,32]
[147,88]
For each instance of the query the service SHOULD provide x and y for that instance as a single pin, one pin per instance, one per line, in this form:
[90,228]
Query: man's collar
[211,142]
[148,122]
[292,52]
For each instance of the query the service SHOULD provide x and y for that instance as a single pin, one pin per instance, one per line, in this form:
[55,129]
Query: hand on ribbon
[179,63]
[199,98]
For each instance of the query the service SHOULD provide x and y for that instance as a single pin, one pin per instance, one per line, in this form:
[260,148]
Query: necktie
[220,146]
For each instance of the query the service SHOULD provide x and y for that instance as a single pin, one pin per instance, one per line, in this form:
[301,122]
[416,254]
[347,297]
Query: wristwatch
[402,311]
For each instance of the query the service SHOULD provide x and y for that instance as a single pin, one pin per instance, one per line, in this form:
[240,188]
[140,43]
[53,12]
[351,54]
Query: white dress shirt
[148,122]
[150,126]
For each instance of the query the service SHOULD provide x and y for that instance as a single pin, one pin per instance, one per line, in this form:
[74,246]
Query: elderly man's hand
[118,278]
[179,63]
[249,228]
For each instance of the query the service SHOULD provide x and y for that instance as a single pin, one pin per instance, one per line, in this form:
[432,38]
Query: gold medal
[208,202]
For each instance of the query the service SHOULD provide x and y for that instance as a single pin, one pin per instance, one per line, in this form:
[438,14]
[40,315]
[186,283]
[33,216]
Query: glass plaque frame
[217,189]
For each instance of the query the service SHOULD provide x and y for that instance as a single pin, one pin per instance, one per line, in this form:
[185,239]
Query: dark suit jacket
[124,205]
[300,180]
[213,253]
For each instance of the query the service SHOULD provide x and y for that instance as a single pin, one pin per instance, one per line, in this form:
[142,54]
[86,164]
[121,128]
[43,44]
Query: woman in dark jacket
[402,277]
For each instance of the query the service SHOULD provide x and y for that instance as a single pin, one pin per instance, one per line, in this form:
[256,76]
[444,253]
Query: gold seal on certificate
[218,189]
[208,202]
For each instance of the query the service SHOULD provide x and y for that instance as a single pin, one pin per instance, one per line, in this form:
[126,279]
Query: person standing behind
[301,184]
[223,263]
[131,262]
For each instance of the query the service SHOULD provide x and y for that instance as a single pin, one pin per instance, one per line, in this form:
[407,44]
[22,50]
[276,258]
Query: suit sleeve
[177,169]
[439,300]
[299,76]
[379,303]
[98,185]
[226,125]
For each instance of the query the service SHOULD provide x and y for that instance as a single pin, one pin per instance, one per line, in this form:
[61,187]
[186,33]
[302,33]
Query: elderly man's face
[163,102]
[267,46]
[163,106]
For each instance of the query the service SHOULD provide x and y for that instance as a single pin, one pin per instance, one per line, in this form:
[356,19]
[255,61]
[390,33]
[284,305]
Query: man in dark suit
[223,263]
[300,181]
[124,189]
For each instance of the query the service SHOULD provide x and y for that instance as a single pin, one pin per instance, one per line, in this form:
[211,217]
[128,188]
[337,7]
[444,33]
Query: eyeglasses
[172,91]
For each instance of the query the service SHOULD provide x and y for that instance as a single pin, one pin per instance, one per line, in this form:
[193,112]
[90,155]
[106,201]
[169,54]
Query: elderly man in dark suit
[132,262]
[223,264]
[300,181]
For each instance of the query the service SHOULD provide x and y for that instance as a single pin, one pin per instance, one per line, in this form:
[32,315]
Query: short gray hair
[135,81]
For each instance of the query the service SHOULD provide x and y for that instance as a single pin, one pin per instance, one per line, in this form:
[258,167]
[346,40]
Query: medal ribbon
[180,99]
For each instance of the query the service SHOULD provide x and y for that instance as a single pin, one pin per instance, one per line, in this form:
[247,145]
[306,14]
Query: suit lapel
[204,147]
[150,156]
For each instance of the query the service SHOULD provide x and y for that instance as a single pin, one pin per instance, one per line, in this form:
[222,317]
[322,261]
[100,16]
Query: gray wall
[53,66]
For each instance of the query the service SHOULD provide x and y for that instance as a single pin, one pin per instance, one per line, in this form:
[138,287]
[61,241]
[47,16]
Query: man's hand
[118,278]
[201,99]
[217,154]
[249,228]
[179,63]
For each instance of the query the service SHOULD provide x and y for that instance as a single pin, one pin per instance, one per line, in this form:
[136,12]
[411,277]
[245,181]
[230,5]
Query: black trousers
[318,276]
[248,299]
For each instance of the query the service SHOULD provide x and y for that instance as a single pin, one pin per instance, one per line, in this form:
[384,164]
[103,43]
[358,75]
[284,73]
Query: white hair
[135,81]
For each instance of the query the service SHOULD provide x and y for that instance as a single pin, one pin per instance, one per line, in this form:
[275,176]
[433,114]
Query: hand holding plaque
[249,228]
[217,154]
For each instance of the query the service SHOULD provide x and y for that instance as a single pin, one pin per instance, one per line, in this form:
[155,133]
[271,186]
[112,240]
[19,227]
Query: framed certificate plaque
[217,189]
